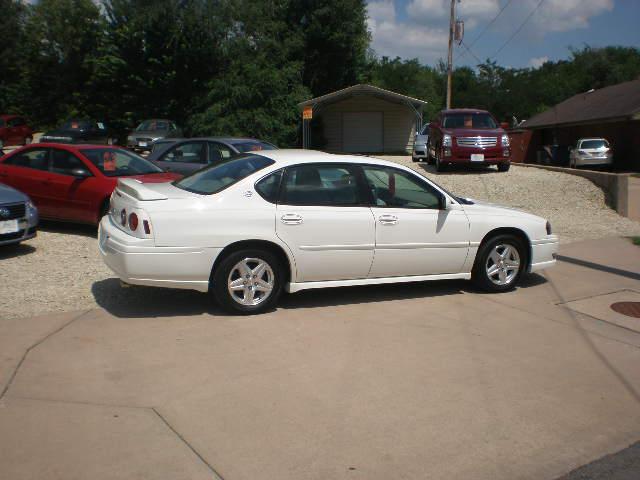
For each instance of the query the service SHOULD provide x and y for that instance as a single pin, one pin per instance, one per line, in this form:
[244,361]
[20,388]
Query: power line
[468,49]
[519,28]
[484,30]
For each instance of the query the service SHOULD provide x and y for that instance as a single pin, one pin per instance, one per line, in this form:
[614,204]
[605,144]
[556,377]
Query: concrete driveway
[404,382]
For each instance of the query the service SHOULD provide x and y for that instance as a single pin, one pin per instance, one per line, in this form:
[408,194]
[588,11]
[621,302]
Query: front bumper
[139,262]
[27,229]
[585,161]
[543,253]
[419,151]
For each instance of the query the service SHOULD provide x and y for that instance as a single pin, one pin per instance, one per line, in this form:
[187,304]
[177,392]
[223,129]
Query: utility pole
[452,24]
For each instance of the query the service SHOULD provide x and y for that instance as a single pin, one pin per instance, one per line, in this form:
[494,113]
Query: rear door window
[322,185]
[189,152]
[37,158]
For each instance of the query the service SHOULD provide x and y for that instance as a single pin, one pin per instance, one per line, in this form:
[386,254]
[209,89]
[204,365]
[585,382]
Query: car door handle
[291,219]
[388,219]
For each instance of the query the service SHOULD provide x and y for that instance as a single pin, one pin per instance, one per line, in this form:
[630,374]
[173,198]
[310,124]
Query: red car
[468,136]
[14,131]
[74,182]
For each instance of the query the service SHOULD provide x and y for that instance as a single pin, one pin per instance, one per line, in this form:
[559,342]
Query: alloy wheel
[503,264]
[251,281]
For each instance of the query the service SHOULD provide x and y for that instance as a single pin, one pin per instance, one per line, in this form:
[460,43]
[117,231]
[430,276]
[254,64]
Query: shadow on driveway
[69,228]
[144,302]
[463,169]
[13,251]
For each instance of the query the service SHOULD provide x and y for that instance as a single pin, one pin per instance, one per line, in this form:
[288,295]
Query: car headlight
[446,140]
[505,140]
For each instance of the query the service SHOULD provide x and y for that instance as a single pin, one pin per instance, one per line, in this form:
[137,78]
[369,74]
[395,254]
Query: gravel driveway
[61,270]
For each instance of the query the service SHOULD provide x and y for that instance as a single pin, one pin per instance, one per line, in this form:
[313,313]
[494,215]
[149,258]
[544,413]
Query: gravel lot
[61,270]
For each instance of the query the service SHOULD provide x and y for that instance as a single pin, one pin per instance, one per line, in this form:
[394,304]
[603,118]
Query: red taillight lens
[123,217]
[133,221]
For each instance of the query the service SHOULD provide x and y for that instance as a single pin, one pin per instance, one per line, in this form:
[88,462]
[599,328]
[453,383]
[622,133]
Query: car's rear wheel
[499,264]
[248,281]
[504,167]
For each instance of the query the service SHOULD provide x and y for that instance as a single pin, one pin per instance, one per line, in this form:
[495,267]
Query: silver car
[18,216]
[150,131]
[420,144]
[591,152]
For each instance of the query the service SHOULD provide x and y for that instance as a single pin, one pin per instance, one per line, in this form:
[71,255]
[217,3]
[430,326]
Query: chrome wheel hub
[251,281]
[503,264]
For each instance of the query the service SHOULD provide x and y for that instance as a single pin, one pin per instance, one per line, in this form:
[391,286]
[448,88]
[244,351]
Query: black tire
[221,275]
[479,274]
[415,159]
[504,167]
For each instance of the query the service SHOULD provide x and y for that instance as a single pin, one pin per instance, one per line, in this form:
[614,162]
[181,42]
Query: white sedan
[256,224]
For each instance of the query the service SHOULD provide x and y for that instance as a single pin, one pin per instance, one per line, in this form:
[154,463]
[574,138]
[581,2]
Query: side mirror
[445,203]
[80,173]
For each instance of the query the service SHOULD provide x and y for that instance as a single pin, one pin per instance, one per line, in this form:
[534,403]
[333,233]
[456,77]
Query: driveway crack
[216,475]
[38,343]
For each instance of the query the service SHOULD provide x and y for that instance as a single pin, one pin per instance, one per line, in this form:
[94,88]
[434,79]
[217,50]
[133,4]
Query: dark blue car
[18,216]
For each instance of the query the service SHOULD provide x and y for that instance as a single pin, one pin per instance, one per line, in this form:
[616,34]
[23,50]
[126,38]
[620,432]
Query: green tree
[12,65]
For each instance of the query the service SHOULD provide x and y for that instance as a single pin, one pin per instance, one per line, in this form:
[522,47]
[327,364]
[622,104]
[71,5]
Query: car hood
[480,207]
[11,195]
[474,132]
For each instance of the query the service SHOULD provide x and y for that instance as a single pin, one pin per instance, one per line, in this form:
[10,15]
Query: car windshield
[425,130]
[152,125]
[115,162]
[469,120]
[81,125]
[244,147]
[594,144]
[219,176]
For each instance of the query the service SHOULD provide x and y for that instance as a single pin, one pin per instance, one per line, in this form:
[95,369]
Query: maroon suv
[468,136]
[14,131]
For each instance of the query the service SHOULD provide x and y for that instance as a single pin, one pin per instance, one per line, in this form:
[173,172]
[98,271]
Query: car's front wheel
[499,264]
[504,167]
[248,281]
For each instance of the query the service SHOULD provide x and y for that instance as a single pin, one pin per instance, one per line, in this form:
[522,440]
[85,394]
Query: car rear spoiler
[137,189]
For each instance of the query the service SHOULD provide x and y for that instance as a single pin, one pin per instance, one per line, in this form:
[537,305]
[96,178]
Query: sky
[515,33]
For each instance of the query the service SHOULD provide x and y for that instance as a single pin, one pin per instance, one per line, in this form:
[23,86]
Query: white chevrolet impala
[256,224]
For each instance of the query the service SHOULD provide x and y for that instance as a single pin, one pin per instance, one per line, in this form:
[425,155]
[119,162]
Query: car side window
[218,152]
[64,162]
[190,152]
[321,185]
[37,158]
[269,186]
[391,187]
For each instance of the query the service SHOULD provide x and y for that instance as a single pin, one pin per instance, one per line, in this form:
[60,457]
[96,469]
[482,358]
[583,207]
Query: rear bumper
[139,262]
[543,253]
[584,161]
[419,151]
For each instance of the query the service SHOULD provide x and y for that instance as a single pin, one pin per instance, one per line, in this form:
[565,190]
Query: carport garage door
[362,131]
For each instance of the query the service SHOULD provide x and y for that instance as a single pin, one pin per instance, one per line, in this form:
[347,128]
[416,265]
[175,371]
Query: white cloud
[393,38]
[537,62]
[565,15]
[437,11]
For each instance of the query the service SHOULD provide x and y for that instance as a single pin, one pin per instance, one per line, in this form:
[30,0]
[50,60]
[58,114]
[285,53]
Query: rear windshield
[152,125]
[219,176]
[469,120]
[594,144]
[245,147]
[115,162]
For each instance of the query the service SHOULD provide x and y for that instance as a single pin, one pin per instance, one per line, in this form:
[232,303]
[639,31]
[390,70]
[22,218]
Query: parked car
[420,141]
[468,136]
[14,131]
[591,152]
[185,156]
[74,183]
[18,216]
[248,227]
[143,137]
[81,131]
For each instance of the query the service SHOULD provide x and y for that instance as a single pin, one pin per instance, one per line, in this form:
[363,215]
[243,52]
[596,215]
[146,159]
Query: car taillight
[133,222]
[548,228]
[123,217]
[147,228]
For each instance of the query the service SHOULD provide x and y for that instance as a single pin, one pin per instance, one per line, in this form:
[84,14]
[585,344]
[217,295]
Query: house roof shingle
[616,102]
